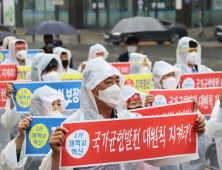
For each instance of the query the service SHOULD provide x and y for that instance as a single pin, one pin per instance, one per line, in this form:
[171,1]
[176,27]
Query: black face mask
[65,63]
[139,107]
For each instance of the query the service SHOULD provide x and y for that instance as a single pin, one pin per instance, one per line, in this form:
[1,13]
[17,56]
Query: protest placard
[23,92]
[103,142]
[38,133]
[141,82]
[4,54]
[207,97]
[201,80]
[71,77]
[23,70]
[170,109]
[122,67]
[8,72]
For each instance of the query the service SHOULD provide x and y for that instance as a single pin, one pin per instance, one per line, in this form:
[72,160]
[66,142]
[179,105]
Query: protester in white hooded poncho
[214,128]
[18,53]
[65,56]
[40,62]
[96,50]
[101,97]
[6,41]
[45,102]
[139,64]
[166,76]
[189,57]
[10,119]
[134,99]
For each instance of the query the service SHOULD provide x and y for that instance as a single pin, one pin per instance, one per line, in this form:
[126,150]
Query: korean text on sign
[23,92]
[8,72]
[201,80]
[123,68]
[112,141]
[207,97]
[38,133]
[141,82]
[23,72]
[170,109]
[70,77]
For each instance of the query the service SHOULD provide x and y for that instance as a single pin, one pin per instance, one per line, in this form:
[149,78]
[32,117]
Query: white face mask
[170,83]
[100,57]
[55,114]
[52,76]
[131,48]
[111,96]
[22,55]
[192,57]
[144,70]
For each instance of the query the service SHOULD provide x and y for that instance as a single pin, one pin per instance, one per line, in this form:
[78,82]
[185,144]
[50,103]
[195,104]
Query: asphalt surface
[211,48]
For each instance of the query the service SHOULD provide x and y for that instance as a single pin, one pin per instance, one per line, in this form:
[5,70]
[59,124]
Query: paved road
[211,49]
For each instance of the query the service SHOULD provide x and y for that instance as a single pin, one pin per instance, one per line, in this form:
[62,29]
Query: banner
[93,143]
[141,82]
[9,13]
[170,109]
[71,77]
[23,92]
[8,72]
[3,96]
[38,133]
[4,54]
[207,97]
[23,70]
[122,67]
[201,80]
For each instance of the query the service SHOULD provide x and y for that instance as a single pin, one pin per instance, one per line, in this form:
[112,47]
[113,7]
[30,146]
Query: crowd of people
[102,96]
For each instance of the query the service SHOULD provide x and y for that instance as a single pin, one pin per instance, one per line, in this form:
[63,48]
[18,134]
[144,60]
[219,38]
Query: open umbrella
[138,24]
[51,27]
[4,34]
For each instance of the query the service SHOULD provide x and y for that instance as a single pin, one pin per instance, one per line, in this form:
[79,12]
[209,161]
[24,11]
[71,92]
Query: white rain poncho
[12,55]
[136,63]
[80,66]
[40,62]
[95,72]
[10,119]
[182,61]
[95,49]
[128,92]
[162,68]
[92,54]
[41,105]
[58,51]
[214,130]
[6,41]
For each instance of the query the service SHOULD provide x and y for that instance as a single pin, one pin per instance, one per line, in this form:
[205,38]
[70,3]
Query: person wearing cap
[7,40]
[65,56]
[132,47]
[18,53]
[189,57]
[47,39]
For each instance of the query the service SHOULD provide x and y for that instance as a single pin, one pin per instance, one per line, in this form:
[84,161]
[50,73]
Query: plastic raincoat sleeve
[9,157]
[10,119]
[214,125]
